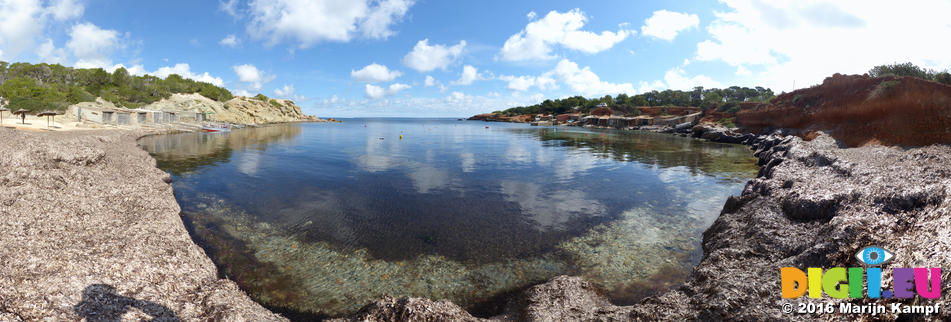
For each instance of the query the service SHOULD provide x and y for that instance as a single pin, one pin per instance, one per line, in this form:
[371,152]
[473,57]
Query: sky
[427,58]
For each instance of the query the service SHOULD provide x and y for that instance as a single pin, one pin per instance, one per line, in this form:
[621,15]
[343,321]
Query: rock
[239,110]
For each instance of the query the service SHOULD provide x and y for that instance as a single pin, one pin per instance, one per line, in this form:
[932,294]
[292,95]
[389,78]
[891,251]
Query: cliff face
[858,110]
[240,110]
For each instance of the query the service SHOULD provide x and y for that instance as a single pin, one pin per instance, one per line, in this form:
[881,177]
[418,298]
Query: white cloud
[666,25]
[92,46]
[469,75]
[742,71]
[230,7]
[22,23]
[536,40]
[286,91]
[376,92]
[242,92]
[252,76]
[378,21]
[430,81]
[804,42]
[48,53]
[531,15]
[396,88]
[677,79]
[586,82]
[373,73]
[524,83]
[184,70]
[426,58]
[312,21]
[65,9]
[230,41]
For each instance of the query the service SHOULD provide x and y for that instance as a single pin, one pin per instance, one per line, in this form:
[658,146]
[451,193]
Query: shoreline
[768,208]
[92,230]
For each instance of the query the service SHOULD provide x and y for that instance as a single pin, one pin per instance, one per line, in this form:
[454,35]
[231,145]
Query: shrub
[275,103]
[884,89]
[261,97]
[904,69]
[731,108]
[943,77]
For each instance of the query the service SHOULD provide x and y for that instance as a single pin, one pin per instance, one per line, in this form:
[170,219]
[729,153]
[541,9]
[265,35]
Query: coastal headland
[92,227]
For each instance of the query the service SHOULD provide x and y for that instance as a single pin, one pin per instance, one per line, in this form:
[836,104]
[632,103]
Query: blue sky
[457,58]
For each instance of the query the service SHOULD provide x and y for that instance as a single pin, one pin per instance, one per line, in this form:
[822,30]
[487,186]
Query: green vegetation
[721,99]
[261,97]
[275,103]
[54,87]
[884,89]
[912,70]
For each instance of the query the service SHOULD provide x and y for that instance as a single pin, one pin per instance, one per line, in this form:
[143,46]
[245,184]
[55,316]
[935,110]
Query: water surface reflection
[327,217]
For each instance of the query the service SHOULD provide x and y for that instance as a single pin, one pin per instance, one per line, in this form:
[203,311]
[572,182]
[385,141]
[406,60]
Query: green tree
[903,69]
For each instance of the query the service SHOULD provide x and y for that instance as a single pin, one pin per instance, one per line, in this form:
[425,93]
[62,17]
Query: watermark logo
[847,282]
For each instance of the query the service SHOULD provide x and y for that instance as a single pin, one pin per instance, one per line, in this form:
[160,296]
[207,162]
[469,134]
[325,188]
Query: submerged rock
[814,205]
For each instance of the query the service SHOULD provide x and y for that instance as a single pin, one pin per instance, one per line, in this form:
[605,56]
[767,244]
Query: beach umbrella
[2,109]
[22,113]
[48,115]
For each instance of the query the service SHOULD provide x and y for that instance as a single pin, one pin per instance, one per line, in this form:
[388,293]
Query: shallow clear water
[327,217]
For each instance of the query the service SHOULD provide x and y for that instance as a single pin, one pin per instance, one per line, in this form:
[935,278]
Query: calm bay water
[327,217]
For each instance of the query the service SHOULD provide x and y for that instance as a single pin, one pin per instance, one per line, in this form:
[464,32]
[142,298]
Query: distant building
[603,105]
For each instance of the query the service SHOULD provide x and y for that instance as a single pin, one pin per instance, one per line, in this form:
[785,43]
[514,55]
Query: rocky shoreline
[92,229]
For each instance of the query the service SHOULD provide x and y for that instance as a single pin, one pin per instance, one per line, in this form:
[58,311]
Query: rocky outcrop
[239,110]
[91,229]
[813,204]
[493,117]
[858,110]
[718,133]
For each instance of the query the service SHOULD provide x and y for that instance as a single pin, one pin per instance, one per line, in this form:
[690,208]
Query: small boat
[216,128]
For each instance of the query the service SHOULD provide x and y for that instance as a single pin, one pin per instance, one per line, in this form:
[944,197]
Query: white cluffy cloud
[579,80]
[536,40]
[524,83]
[230,41]
[308,22]
[375,92]
[22,23]
[430,81]
[92,46]
[586,82]
[286,91]
[183,70]
[250,75]
[374,73]
[667,24]
[469,75]
[48,53]
[426,58]
[781,42]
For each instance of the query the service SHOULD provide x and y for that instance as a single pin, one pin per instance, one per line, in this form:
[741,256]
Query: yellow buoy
[401,136]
